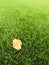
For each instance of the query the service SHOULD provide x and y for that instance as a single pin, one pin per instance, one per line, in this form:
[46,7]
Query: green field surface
[27,20]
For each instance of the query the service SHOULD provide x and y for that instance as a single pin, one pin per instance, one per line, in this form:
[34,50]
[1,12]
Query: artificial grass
[29,22]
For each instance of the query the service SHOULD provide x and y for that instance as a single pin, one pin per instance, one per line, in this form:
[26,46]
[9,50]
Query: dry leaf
[17,44]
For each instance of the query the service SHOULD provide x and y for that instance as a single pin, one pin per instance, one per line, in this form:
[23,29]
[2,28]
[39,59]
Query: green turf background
[27,20]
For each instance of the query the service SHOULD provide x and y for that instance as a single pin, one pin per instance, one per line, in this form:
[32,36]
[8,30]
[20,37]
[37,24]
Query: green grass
[27,20]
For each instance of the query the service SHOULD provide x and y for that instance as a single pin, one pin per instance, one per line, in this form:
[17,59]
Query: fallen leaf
[17,44]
